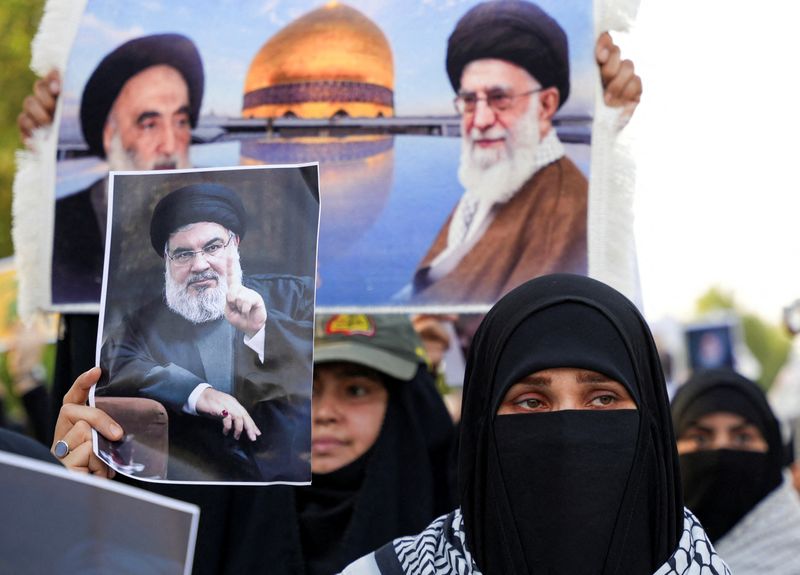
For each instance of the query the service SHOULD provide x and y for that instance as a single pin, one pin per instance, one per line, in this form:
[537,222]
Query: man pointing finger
[206,349]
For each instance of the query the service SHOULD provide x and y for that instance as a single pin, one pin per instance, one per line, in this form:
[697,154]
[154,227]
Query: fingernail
[604,54]
[55,86]
[116,430]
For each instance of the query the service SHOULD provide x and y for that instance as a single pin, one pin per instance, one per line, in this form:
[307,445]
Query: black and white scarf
[441,550]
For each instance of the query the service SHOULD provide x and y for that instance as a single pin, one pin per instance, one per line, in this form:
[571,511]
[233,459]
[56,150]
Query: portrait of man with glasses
[226,353]
[523,212]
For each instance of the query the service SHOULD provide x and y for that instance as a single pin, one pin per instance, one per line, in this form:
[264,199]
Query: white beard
[206,305]
[120,159]
[498,173]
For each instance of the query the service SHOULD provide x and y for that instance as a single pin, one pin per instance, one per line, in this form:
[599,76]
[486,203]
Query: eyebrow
[486,89]
[205,245]
[183,110]
[147,116]
[709,430]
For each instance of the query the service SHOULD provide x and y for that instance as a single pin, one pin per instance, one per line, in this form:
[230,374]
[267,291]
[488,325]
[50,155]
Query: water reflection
[356,180]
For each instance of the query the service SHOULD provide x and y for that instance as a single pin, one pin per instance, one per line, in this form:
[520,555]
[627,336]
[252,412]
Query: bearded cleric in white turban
[524,209]
[228,355]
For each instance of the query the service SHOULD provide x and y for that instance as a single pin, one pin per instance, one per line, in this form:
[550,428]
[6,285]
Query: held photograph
[206,327]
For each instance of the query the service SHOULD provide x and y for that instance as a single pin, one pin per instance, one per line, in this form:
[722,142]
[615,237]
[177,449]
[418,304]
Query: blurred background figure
[28,378]
[733,471]
[445,356]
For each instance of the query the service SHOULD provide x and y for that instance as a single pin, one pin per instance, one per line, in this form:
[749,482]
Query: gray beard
[120,159]
[498,174]
[207,305]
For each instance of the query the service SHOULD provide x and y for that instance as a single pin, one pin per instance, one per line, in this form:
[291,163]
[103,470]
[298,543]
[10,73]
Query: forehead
[156,86]
[566,379]
[197,234]
[721,420]
[341,371]
[489,73]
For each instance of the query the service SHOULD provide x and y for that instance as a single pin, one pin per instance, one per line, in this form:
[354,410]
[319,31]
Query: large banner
[408,107]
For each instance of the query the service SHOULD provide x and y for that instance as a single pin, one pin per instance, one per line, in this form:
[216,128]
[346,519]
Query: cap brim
[377,359]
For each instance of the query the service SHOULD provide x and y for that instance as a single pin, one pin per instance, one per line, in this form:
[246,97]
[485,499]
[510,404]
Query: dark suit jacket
[154,354]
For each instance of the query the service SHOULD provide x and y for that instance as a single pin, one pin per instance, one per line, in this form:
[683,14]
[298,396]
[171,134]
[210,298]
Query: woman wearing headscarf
[732,460]
[381,445]
[567,461]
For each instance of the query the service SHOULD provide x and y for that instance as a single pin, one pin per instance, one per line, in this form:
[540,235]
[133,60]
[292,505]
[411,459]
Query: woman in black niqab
[637,517]
[723,485]
[579,491]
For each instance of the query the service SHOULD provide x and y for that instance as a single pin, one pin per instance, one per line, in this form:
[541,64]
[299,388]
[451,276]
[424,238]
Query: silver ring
[61,449]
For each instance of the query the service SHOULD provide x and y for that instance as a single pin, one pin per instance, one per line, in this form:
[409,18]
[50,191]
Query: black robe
[154,354]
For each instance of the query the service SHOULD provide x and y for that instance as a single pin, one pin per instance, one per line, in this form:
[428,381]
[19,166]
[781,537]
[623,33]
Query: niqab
[516,526]
[722,485]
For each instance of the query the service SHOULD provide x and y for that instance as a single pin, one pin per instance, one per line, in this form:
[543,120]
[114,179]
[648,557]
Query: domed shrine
[333,61]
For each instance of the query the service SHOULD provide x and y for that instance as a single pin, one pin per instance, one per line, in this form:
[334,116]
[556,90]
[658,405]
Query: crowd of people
[567,456]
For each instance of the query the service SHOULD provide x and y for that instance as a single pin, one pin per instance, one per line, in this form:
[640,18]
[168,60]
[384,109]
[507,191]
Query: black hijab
[633,486]
[723,485]
[399,486]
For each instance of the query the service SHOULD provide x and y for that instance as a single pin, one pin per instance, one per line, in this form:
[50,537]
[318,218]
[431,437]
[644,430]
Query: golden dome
[331,61]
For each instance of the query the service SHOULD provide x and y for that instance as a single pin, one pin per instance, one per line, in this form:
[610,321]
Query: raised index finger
[229,275]
[79,392]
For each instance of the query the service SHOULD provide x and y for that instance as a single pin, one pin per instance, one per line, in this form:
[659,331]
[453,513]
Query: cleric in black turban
[126,61]
[516,31]
[196,203]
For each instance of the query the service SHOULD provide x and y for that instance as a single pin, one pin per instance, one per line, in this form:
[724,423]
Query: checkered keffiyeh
[441,550]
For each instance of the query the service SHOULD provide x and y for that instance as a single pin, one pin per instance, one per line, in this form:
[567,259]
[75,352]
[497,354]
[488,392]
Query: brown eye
[604,400]
[356,391]
[529,403]
[743,439]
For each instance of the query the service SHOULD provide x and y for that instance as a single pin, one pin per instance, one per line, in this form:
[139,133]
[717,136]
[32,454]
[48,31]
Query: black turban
[192,204]
[516,31]
[126,61]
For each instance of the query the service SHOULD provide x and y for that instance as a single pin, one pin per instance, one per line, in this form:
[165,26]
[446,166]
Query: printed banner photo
[453,138]
[206,325]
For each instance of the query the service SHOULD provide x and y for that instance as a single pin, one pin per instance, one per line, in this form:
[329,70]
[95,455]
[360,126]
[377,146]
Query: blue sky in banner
[230,32]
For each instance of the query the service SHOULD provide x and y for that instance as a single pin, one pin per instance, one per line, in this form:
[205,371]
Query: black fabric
[568,321]
[325,509]
[721,486]
[19,444]
[405,485]
[37,406]
[132,57]
[75,352]
[196,203]
[516,31]
[575,481]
